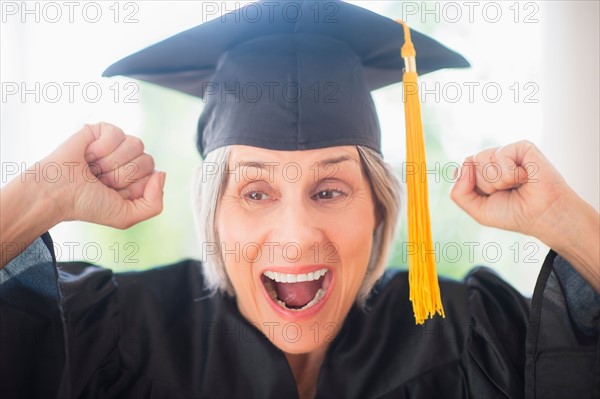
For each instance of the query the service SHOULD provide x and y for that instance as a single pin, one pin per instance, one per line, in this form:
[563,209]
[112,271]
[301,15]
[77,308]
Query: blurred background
[534,76]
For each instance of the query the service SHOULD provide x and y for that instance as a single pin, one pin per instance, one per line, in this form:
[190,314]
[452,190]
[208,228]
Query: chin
[310,320]
[306,344]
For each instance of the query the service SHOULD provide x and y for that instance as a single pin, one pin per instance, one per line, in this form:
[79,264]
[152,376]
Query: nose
[298,233]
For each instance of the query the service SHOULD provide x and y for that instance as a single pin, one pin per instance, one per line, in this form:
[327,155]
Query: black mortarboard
[288,75]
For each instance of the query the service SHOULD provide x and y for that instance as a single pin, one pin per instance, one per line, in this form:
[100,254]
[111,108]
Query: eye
[257,196]
[258,191]
[328,194]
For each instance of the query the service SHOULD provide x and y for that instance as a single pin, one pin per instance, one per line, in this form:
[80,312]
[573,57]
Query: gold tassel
[422,274]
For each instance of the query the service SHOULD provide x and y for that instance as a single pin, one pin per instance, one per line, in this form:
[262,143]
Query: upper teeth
[295,278]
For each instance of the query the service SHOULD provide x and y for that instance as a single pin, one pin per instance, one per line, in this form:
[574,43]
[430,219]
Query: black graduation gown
[76,330]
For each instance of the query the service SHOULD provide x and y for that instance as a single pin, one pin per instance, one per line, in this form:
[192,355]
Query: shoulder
[160,291]
[166,279]
[161,280]
[167,289]
[385,332]
[482,298]
[480,284]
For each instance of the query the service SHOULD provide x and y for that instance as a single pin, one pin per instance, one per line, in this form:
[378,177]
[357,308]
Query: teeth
[295,278]
[318,296]
[271,291]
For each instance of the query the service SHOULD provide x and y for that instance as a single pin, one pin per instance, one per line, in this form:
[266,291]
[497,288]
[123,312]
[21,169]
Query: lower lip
[298,315]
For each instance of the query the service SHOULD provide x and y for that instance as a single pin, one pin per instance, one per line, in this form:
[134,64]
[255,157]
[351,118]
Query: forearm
[27,210]
[576,237]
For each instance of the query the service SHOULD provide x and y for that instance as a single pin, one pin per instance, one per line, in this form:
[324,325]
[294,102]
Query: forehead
[242,153]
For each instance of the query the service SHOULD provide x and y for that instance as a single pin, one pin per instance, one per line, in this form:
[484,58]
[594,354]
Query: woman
[297,223]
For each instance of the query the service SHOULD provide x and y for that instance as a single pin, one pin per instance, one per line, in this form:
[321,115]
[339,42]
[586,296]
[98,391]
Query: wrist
[576,237]
[20,223]
[55,191]
[28,210]
[571,219]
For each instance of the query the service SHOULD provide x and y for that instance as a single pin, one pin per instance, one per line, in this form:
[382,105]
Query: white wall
[571,93]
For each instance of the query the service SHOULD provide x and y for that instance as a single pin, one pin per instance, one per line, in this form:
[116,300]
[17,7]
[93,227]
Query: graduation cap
[297,75]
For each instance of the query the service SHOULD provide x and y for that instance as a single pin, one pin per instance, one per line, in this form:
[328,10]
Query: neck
[306,367]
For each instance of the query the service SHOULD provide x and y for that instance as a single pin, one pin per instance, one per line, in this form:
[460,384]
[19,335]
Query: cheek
[229,223]
[241,279]
[354,256]
[239,233]
[237,240]
[239,271]
[353,235]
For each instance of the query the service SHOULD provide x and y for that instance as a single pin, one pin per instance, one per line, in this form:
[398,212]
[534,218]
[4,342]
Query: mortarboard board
[296,75]
[304,80]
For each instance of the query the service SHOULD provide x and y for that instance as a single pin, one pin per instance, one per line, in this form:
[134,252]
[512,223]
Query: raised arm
[103,176]
[531,197]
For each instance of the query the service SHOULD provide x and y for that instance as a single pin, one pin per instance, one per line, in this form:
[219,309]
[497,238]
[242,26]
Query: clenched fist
[512,188]
[113,181]
[516,188]
[103,176]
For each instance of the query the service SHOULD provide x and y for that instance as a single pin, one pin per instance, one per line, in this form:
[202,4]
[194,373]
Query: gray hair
[211,177]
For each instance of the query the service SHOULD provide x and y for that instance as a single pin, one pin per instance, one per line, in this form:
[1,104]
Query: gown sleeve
[60,328]
[562,346]
[33,344]
[582,301]
[543,347]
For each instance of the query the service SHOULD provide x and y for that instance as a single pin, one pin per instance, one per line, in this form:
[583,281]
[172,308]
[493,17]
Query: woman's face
[296,231]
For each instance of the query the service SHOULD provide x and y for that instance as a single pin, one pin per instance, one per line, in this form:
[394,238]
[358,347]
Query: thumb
[463,192]
[150,204]
[153,193]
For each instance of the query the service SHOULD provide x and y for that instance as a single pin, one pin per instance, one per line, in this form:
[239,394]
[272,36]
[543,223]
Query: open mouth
[297,292]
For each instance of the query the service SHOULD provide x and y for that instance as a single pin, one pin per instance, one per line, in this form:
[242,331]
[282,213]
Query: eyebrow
[266,165]
[335,161]
[252,164]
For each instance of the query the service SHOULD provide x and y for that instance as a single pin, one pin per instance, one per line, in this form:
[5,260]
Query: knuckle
[157,209]
[88,127]
[124,225]
[151,164]
[454,195]
[506,178]
[136,143]
[109,128]
[454,198]
[527,144]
